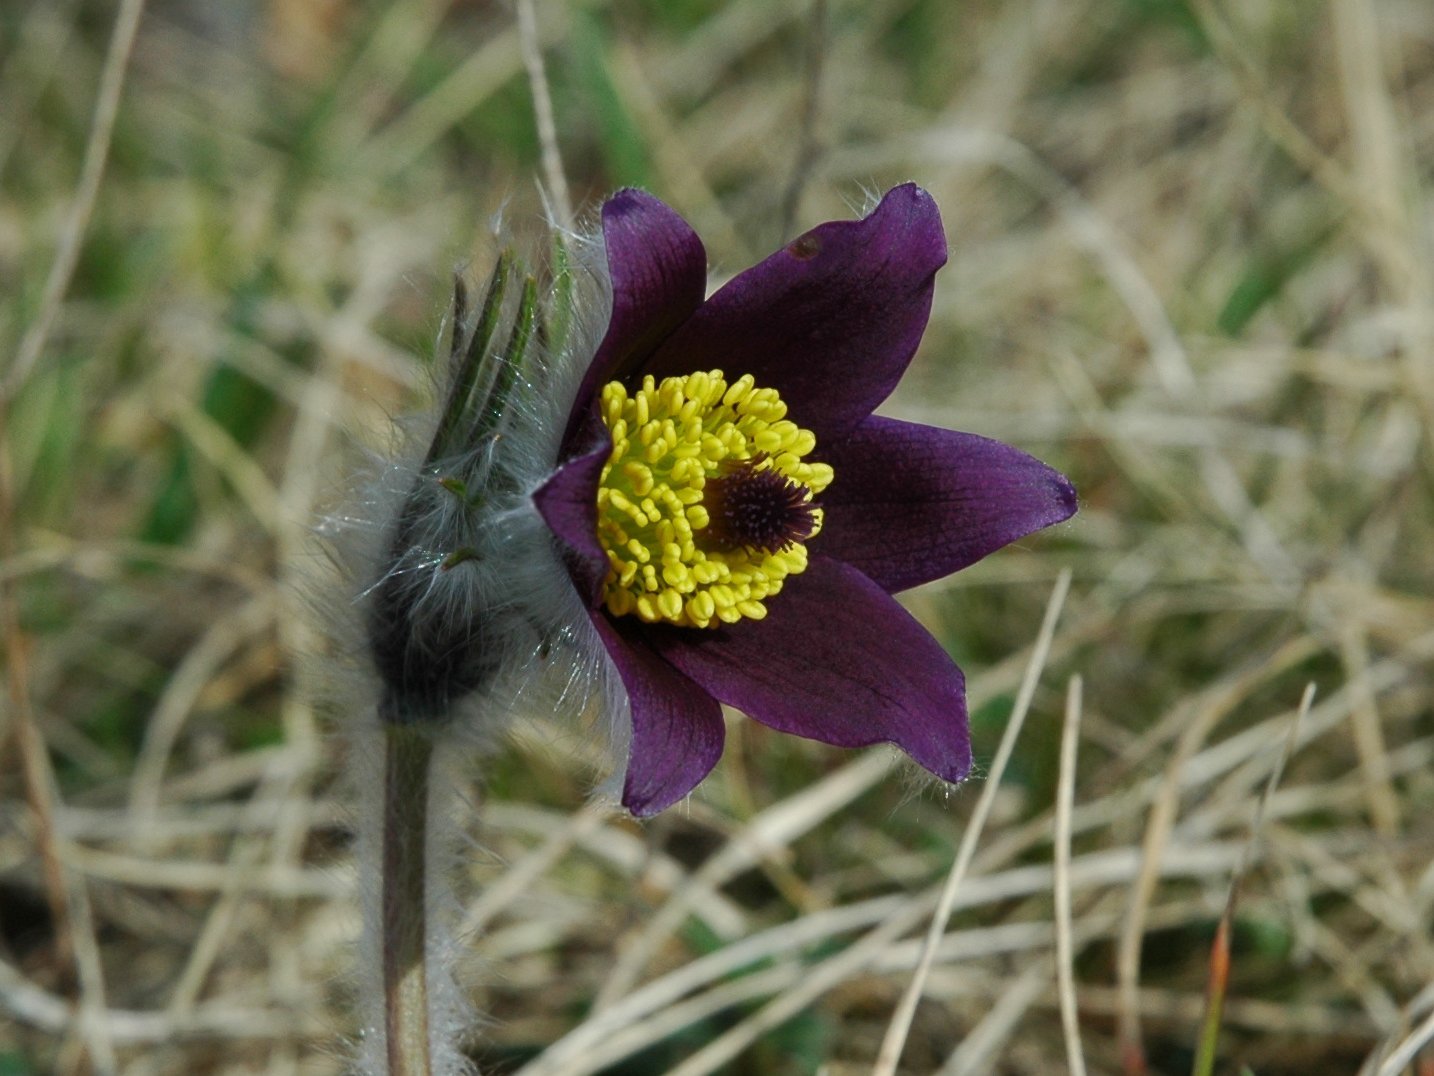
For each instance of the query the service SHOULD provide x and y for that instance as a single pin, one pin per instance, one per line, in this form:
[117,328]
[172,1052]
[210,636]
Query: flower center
[705,504]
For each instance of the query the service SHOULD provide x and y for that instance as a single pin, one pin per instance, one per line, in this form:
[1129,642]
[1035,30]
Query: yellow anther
[687,448]
[669,603]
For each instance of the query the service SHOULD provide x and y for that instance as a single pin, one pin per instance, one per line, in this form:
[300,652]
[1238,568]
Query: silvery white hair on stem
[460,617]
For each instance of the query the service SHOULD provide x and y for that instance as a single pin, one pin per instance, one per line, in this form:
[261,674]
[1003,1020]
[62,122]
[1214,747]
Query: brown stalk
[402,918]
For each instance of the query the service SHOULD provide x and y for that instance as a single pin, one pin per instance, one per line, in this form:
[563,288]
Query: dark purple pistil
[755,507]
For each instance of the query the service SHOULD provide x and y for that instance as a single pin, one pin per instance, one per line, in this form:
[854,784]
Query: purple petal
[567,501]
[836,660]
[677,728]
[658,269]
[830,321]
[913,503]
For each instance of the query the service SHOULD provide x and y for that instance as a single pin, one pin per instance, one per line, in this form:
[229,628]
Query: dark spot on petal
[805,247]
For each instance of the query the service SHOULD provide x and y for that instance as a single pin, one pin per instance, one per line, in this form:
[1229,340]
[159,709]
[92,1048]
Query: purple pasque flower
[737,518]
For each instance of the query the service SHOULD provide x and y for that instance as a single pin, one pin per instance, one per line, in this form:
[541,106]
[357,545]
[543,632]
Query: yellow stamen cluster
[668,441]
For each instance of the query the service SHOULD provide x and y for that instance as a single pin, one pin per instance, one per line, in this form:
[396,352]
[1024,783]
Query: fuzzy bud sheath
[466,619]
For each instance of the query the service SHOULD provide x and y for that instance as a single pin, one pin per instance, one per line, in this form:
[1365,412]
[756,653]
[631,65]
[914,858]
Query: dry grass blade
[69,900]
[1279,126]
[900,1027]
[192,675]
[553,174]
[42,1009]
[1400,1037]
[1368,736]
[617,1032]
[1405,1053]
[69,904]
[522,875]
[1065,942]
[36,774]
[978,1051]
[1219,978]
[812,985]
[97,150]
[1198,717]
[808,148]
[772,829]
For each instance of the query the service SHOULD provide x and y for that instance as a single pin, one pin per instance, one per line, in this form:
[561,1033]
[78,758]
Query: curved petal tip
[831,320]
[677,728]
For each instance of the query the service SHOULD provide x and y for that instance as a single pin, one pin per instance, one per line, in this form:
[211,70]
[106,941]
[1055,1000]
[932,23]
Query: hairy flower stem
[403,931]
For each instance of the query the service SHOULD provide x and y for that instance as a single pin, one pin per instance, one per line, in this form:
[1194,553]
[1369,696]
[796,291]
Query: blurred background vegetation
[1190,267]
